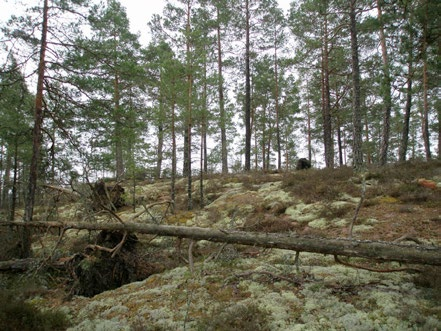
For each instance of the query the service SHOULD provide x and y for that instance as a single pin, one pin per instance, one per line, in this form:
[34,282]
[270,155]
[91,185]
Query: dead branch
[148,207]
[357,266]
[190,256]
[409,237]
[357,210]
[72,193]
[113,250]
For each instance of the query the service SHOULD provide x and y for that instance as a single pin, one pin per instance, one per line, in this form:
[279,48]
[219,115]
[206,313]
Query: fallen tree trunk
[376,250]
[18,265]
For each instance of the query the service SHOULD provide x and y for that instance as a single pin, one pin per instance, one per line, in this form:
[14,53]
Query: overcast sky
[138,11]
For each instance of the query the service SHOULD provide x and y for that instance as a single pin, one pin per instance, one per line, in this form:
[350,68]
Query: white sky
[139,12]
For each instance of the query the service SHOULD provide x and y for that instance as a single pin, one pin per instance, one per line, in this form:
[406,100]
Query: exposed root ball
[97,271]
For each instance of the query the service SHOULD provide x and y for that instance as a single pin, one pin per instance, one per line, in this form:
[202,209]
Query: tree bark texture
[407,112]
[36,134]
[222,113]
[189,107]
[326,98]
[376,250]
[247,90]
[356,101]
[385,90]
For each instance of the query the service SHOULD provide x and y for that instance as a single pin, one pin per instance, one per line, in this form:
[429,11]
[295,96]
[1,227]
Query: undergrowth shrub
[18,314]
[237,317]
[406,172]
[331,212]
[430,278]
[315,185]
[268,224]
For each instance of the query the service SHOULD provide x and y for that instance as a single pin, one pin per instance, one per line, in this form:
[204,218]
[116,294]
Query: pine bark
[385,89]
[356,100]
[277,106]
[407,111]
[189,108]
[247,88]
[36,135]
[326,99]
[425,115]
[223,117]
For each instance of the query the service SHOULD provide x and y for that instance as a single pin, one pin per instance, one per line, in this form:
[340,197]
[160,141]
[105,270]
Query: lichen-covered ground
[234,287]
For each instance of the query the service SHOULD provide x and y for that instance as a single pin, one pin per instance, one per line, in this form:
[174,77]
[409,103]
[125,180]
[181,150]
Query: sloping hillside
[184,285]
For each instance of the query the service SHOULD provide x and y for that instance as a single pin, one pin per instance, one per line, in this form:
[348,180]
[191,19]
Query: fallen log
[376,250]
[18,265]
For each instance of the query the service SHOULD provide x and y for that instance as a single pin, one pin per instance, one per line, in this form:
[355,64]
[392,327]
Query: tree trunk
[201,173]
[439,132]
[14,191]
[204,122]
[222,113]
[159,150]
[376,250]
[160,147]
[247,89]
[173,160]
[340,145]
[326,99]
[356,101]
[189,107]
[36,136]
[425,119]
[385,90]
[119,160]
[309,134]
[407,110]
[5,203]
[425,126]
[277,106]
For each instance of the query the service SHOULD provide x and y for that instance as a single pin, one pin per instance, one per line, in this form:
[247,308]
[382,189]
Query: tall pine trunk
[277,106]
[356,100]
[326,100]
[14,191]
[247,89]
[36,137]
[160,147]
[173,160]
[119,160]
[408,106]
[223,117]
[189,107]
[425,123]
[159,150]
[385,90]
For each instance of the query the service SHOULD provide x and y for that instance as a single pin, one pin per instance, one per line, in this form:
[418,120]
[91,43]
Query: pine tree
[111,78]
[15,140]
[50,45]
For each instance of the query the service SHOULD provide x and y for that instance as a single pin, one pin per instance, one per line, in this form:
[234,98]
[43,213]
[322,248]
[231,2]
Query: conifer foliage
[221,86]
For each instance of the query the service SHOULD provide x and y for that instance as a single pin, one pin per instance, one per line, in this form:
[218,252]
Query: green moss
[180,218]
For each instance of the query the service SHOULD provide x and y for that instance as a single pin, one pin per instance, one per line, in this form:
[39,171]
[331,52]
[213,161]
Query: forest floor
[235,287]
